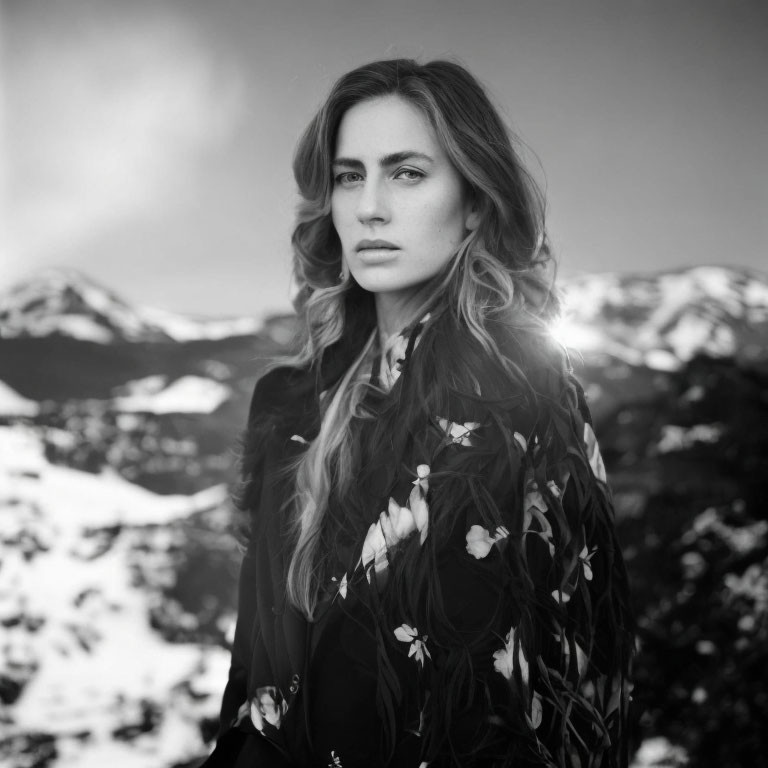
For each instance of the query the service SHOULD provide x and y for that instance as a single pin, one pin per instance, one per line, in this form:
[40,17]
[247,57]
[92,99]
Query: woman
[432,575]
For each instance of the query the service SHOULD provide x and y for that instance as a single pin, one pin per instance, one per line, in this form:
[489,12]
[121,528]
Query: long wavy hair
[490,305]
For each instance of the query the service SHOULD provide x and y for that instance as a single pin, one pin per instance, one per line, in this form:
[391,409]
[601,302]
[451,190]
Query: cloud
[109,121]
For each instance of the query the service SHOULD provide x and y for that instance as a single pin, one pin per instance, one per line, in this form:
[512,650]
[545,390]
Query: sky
[149,143]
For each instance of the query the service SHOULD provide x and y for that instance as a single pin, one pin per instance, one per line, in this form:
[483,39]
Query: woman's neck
[395,311]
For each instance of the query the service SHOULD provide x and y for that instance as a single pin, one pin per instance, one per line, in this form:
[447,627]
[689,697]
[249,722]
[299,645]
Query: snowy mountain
[665,319]
[659,321]
[65,302]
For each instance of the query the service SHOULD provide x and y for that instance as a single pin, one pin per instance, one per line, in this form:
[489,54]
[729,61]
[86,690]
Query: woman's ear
[472,203]
[473,219]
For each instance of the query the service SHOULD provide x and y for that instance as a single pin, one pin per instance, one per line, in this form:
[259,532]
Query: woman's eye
[347,178]
[409,174]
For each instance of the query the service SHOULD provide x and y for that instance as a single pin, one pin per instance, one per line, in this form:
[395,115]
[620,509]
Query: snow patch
[658,752]
[84,500]
[188,394]
[676,438]
[13,404]
[183,328]
[78,630]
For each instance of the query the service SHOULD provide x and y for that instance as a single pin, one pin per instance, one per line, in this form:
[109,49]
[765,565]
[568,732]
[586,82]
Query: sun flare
[573,335]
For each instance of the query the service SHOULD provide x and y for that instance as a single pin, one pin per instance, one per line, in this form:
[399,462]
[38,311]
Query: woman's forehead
[385,126]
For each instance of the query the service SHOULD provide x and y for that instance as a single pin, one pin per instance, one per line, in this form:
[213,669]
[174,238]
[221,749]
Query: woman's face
[398,205]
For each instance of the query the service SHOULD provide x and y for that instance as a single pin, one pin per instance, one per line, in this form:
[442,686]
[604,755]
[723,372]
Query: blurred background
[146,207]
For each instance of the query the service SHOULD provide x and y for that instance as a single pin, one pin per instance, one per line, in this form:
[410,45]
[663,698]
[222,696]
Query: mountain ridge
[67,302]
[659,320]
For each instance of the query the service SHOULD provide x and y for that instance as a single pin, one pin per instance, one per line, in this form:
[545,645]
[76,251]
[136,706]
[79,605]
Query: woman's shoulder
[280,387]
[290,386]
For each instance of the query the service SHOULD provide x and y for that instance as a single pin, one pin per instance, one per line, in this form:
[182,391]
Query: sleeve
[246,498]
[235,692]
[515,610]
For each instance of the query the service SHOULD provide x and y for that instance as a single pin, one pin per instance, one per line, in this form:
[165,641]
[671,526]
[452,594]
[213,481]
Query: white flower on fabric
[393,354]
[422,477]
[392,360]
[593,453]
[536,711]
[560,597]
[461,434]
[407,634]
[581,659]
[521,441]
[584,558]
[535,508]
[534,500]
[399,522]
[380,562]
[504,658]
[374,545]
[554,489]
[243,712]
[480,541]
[268,706]
[396,523]
[418,501]
[256,717]
[420,510]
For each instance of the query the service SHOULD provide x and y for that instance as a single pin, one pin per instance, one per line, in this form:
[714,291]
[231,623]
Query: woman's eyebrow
[386,160]
[402,157]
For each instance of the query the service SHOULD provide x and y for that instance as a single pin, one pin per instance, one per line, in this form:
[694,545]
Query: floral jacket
[512,648]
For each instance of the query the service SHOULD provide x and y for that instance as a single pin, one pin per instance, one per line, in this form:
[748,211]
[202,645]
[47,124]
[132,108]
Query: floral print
[521,442]
[374,546]
[422,477]
[460,434]
[268,706]
[342,585]
[398,522]
[506,659]
[480,541]
[593,453]
[534,718]
[534,509]
[393,356]
[584,558]
[554,489]
[243,712]
[418,649]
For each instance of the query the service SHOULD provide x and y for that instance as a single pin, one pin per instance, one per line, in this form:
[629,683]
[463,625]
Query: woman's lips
[377,255]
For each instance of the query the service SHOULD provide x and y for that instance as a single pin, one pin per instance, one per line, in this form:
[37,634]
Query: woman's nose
[372,204]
